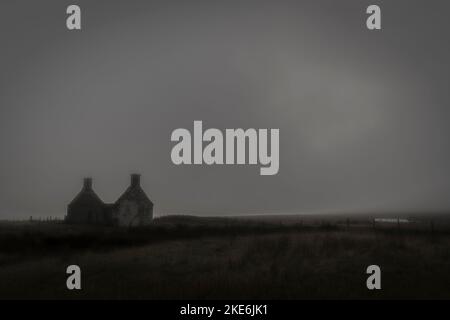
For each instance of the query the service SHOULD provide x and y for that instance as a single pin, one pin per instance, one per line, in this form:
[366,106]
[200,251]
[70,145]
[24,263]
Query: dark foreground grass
[222,259]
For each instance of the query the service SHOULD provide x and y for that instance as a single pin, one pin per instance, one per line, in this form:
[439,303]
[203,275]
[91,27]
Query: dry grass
[265,262]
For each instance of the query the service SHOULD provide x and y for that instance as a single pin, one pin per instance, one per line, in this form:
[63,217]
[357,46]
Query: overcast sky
[363,115]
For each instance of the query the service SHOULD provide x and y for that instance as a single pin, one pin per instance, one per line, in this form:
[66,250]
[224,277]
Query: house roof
[135,192]
[86,197]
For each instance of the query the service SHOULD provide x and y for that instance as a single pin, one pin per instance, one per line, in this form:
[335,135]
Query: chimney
[87,183]
[135,180]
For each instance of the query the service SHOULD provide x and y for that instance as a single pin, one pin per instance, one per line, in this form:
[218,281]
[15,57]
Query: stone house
[132,208]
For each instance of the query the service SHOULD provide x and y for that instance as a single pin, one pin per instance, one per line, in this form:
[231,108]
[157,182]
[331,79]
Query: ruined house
[133,208]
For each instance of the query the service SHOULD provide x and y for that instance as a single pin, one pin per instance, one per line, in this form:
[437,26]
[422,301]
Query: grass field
[224,258]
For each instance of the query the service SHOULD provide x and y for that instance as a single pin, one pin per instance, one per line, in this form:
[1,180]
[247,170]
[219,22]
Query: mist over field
[363,116]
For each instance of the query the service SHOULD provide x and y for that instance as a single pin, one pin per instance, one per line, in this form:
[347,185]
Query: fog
[363,115]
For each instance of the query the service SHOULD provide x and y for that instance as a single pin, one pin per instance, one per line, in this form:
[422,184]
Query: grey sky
[363,115]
